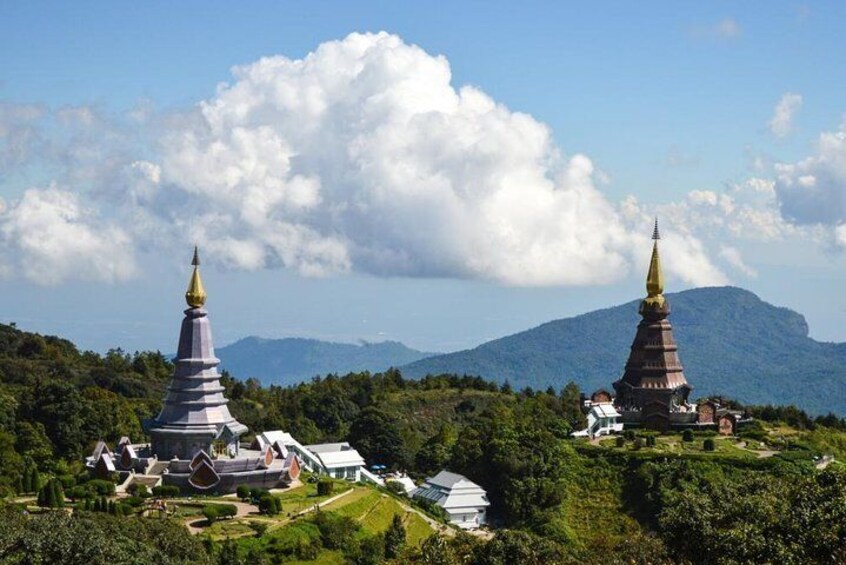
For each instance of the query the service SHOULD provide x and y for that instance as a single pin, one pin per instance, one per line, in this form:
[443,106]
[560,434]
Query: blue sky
[674,106]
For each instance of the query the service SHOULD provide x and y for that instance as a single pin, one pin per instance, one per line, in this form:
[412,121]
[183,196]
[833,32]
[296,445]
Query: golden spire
[654,277]
[196,294]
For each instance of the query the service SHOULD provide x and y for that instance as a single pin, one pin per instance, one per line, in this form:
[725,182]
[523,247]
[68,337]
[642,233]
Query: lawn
[229,528]
[304,497]
[375,511]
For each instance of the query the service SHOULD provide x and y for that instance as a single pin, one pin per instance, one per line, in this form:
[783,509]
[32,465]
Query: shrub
[629,435]
[243,492]
[709,445]
[687,435]
[166,491]
[259,528]
[325,487]
[395,487]
[270,505]
[336,532]
[68,482]
[638,443]
[650,441]
[621,441]
[101,487]
[79,492]
[134,501]
[256,494]
[211,513]
[139,490]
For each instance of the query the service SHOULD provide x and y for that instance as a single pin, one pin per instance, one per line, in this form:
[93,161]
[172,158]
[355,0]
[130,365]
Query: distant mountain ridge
[292,360]
[730,342]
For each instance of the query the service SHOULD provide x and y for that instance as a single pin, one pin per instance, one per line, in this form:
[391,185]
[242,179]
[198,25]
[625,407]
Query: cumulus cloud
[781,124]
[361,156]
[58,238]
[813,190]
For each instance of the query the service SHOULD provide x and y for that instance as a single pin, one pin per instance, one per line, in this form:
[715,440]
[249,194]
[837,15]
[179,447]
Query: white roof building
[463,500]
[602,419]
[339,460]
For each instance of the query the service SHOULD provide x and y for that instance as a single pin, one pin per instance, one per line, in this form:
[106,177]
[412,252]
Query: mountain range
[292,360]
[730,342]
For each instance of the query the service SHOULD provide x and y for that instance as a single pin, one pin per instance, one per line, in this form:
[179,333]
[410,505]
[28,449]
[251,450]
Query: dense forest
[554,499]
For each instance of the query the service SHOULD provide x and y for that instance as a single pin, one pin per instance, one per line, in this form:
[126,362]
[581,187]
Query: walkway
[245,509]
[761,453]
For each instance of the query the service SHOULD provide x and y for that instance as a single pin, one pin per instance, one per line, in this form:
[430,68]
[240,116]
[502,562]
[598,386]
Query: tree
[11,463]
[229,554]
[325,487]
[436,550]
[435,453]
[395,538]
[243,492]
[376,436]
[371,551]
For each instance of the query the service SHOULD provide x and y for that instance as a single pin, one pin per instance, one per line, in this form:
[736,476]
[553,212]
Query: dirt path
[761,453]
[324,503]
[198,525]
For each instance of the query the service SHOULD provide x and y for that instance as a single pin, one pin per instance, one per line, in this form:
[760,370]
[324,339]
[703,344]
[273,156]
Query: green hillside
[291,360]
[766,496]
[730,343]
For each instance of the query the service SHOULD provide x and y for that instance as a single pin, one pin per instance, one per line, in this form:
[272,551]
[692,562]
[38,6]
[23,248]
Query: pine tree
[41,500]
[36,480]
[52,499]
[395,538]
[59,493]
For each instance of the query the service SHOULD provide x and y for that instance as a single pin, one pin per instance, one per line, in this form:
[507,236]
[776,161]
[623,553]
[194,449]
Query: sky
[437,174]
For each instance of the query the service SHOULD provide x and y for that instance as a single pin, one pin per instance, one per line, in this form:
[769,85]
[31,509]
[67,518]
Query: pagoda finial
[654,277]
[196,294]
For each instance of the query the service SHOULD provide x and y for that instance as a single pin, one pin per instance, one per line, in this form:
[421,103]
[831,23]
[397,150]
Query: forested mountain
[291,360]
[548,491]
[730,342]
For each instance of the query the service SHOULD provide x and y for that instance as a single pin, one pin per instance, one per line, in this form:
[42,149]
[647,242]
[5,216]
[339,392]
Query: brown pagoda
[653,391]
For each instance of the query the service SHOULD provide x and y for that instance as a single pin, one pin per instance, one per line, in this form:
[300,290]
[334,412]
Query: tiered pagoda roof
[654,377]
[195,406]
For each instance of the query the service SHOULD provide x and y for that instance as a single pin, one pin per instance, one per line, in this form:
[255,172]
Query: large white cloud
[813,190]
[363,156]
[58,238]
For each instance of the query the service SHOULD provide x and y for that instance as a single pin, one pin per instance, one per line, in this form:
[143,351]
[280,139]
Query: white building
[339,460]
[464,501]
[603,419]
